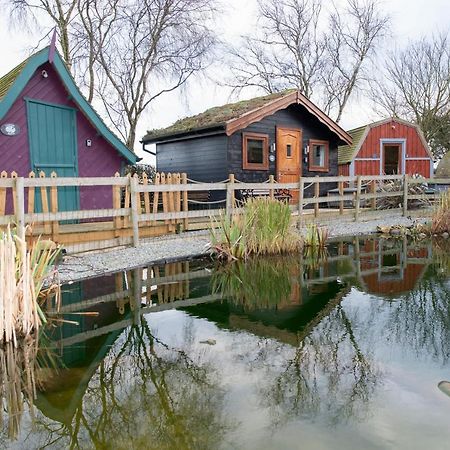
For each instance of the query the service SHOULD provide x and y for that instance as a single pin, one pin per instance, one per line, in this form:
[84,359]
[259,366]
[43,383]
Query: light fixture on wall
[88,143]
[44,74]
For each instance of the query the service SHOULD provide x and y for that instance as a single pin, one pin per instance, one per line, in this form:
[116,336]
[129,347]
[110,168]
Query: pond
[344,350]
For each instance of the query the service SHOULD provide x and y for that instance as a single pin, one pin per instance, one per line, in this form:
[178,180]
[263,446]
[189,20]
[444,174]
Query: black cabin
[282,134]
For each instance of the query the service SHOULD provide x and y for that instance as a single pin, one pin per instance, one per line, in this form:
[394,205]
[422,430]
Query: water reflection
[317,329]
[143,394]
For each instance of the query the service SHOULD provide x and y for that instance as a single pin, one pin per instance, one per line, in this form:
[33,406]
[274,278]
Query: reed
[257,283]
[264,228]
[22,274]
[441,215]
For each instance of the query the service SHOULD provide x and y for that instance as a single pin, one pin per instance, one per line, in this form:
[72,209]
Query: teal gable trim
[27,72]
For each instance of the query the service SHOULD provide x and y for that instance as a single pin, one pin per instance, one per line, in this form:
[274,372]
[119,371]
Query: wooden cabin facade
[389,147]
[282,134]
[47,125]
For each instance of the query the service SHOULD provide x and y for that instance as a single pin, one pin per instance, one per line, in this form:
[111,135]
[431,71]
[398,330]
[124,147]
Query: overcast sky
[410,20]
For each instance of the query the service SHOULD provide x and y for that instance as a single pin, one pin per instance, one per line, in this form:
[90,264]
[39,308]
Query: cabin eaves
[12,84]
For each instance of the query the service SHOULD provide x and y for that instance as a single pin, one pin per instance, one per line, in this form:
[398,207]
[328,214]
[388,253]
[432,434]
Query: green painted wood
[25,72]
[52,138]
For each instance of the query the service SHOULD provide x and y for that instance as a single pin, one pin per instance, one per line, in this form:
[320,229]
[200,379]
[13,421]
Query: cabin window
[318,156]
[255,151]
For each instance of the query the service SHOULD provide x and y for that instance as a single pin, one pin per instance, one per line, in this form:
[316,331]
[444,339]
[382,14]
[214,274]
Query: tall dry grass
[441,215]
[264,228]
[22,274]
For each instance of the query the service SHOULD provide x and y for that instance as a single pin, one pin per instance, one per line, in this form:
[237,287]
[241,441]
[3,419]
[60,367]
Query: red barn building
[389,147]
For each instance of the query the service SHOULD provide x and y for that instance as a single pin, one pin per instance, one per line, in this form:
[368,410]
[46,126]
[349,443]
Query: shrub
[264,228]
[441,214]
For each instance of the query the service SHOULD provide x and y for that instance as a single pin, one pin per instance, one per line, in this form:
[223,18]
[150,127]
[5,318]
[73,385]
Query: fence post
[316,196]
[185,201]
[373,191]
[271,182]
[54,207]
[20,207]
[405,195]
[134,213]
[230,196]
[358,197]
[301,194]
[137,296]
[233,192]
[3,176]
[341,193]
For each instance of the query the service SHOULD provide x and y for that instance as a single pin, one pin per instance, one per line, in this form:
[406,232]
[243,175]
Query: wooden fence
[172,203]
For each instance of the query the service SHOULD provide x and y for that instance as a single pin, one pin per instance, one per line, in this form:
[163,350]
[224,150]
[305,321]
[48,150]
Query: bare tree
[151,47]
[61,13]
[128,53]
[352,40]
[416,86]
[301,45]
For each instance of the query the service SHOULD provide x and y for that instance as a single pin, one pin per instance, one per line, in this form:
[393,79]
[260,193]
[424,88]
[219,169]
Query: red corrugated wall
[393,130]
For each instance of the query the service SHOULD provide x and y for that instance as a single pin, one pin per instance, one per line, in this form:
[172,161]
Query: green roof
[214,117]
[443,168]
[8,80]
[347,152]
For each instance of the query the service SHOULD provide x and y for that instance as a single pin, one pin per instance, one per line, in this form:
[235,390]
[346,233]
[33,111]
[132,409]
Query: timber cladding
[366,155]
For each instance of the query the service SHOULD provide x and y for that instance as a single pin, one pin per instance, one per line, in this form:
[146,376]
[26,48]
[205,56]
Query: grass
[22,274]
[441,215]
[264,228]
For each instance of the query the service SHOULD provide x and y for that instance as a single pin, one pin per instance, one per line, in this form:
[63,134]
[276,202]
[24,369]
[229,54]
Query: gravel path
[175,247]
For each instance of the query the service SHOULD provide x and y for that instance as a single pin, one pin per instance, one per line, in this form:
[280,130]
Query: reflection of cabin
[288,322]
[282,134]
[78,356]
[398,270]
[391,146]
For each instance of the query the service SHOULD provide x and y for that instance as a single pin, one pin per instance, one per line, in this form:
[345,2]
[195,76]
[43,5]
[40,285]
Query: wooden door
[392,159]
[289,154]
[53,148]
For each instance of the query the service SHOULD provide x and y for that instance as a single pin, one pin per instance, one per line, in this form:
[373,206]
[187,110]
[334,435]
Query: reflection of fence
[157,288]
[135,208]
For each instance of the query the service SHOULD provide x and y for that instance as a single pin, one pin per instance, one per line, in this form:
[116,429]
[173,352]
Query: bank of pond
[342,349]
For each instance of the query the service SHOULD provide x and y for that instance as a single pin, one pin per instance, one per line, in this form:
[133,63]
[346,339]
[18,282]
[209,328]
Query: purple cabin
[47,125]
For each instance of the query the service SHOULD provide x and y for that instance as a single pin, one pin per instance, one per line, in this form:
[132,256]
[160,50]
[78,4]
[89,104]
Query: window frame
[326,166]
[259,137]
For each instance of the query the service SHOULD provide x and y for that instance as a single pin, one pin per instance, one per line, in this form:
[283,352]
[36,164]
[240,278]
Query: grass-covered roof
[6,81]
[214,117]
[347,152]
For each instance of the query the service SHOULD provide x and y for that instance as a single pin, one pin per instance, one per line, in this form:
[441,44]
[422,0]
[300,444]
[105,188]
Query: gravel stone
[189,245]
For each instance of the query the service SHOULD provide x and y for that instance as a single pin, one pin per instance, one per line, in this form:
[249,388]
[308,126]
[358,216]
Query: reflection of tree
[145,394]
[329,374]
[420,320]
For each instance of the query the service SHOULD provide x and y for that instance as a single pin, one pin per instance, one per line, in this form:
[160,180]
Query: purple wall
[100,160]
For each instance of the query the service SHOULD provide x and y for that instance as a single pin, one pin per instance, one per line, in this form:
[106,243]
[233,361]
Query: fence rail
[138,208]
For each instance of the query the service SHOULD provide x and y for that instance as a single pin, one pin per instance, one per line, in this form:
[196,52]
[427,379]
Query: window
[255,151]
[318,156]
[288,151]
